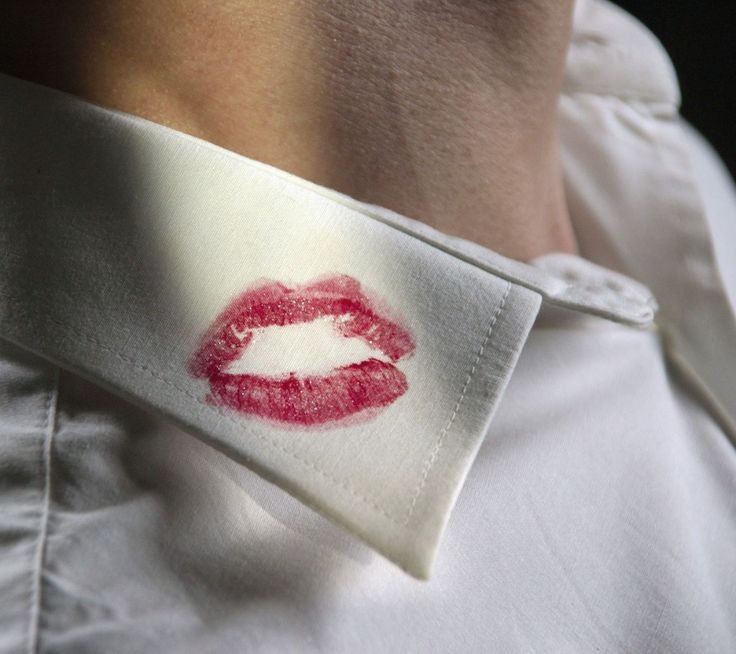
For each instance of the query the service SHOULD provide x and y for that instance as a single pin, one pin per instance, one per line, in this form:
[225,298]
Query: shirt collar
[135,254]
[635,199]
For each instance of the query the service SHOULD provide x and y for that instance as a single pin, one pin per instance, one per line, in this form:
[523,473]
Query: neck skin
[444,111]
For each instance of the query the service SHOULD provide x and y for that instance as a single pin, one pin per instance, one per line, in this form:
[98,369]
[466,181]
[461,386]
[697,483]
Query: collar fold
[152,263]
[155,263]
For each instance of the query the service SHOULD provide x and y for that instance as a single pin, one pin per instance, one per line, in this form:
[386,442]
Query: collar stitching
[441,439]
[401,522]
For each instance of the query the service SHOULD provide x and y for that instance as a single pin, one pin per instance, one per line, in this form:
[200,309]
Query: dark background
[700,39]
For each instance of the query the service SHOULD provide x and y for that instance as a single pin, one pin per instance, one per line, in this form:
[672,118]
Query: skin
[443,110]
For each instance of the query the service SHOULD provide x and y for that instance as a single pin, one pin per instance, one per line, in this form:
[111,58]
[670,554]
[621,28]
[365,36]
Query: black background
[699,37]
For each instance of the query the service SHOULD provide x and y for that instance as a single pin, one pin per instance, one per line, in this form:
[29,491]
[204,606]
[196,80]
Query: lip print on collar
[310,399]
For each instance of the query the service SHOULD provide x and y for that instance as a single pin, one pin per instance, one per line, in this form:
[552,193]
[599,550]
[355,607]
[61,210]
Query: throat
[444,112]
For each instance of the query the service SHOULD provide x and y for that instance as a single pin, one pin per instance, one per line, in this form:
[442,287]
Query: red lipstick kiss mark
[308,399]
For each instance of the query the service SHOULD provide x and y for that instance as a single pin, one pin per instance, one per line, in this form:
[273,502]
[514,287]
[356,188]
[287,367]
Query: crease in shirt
[36,594]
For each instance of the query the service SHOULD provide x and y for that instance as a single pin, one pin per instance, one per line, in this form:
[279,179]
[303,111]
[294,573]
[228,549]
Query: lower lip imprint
[309,399]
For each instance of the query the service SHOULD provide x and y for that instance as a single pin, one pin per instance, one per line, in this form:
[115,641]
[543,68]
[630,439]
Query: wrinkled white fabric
[599,512]
[129,300]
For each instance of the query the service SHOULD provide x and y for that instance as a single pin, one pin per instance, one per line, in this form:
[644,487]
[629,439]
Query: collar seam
[335,481]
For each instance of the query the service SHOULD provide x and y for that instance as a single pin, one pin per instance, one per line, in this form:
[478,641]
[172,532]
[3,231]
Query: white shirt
[499,457]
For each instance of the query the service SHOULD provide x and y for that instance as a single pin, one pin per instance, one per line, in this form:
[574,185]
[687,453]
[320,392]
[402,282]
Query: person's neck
[444,111]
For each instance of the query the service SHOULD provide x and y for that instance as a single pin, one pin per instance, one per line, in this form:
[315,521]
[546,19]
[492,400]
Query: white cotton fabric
[130,282]
[588,458]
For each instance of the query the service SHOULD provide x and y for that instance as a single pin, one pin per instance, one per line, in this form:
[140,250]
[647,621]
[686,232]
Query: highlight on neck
[443,110]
